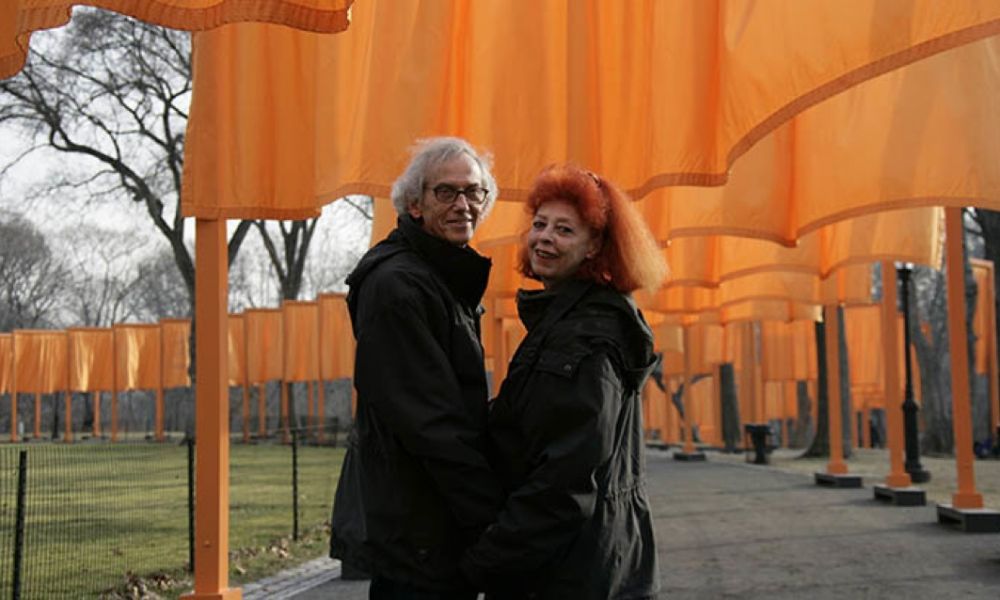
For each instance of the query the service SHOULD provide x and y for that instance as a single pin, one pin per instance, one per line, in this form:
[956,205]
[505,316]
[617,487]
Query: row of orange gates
[783,353]
[311,341]
[302,341]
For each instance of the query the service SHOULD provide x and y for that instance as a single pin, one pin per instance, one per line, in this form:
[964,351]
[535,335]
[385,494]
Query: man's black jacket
[416,489]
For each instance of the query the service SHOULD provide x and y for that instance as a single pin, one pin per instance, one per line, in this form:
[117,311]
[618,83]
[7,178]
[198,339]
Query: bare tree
[289,262]
[31,277]
[103,279]
[113,93]
[928,325]
[159,292]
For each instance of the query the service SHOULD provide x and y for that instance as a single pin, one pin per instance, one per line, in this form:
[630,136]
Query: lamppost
[910,408]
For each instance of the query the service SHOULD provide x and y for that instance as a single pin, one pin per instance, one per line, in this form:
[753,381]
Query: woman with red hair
[565,431]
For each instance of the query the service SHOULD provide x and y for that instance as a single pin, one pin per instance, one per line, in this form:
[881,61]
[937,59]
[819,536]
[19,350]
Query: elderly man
[416,489]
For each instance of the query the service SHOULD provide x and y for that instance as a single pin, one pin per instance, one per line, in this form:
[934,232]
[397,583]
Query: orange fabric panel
[908,235]
[300,326]
[773,310]
[90,352]
[772,291]
[774,399]
[804,365]
[176,352]
[848,285]
[19,18]
[777,362]
[863,329]
[6,362]
[336,337]
[40,361]
[921,135]
[601,72]
[265,358]
[237,350]
[138,350]
[704,408]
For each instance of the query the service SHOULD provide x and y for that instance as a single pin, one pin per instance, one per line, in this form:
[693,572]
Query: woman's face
[559,242]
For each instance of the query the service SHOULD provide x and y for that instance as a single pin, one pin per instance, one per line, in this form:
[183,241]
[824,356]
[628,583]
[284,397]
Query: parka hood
[601,316]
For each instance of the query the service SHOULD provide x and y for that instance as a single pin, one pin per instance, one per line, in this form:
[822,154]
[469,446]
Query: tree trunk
[932,355]
[846,401]
[820,445]
[730,407]
[803,425]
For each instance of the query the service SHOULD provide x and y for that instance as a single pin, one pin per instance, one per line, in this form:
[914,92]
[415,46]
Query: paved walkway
[732,530]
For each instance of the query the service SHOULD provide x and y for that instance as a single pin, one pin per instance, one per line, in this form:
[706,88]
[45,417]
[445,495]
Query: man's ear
[414,210]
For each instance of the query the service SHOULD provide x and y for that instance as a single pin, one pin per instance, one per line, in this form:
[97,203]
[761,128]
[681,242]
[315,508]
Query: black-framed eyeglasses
[447,194]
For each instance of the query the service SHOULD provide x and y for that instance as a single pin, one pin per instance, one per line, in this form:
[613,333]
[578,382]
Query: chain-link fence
[91,513]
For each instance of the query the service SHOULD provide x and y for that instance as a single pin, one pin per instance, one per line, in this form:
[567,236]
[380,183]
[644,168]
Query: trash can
[755,436]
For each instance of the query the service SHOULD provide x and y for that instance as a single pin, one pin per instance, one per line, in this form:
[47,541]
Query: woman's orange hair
[629,258]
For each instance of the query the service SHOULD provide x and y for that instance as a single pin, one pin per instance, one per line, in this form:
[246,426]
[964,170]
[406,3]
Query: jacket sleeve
[570,409]
[406,379]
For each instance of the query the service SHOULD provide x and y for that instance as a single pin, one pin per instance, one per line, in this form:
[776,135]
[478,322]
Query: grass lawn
[98,512]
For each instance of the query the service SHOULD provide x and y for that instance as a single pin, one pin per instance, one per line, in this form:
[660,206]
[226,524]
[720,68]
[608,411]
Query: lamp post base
[918,475]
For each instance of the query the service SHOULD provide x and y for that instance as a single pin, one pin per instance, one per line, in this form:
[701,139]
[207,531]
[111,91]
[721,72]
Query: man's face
[453,221]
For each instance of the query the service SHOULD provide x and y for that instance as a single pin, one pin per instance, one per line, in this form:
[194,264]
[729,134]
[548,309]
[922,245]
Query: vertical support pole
[836,466]
[159,414]
[321,409]
[283,420]
[865,439]
[669,414]
[13,389]
[68,405]
[211,566]
[295,486]
[310,413]
[246,382]
[114,385]
[22,485]
[38,416]
[97,413]
[787,394]
[966,496]
[747,389]
[246,413]
[717,407]
[897,476]
[262,409]
[158,419]
[190,489]
[911,434]
[686,396]
[499,347]
[991,346]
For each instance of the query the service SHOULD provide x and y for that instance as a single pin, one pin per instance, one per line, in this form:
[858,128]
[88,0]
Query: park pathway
[732,530]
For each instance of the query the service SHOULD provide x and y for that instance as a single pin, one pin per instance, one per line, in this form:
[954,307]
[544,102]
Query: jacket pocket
[560,362]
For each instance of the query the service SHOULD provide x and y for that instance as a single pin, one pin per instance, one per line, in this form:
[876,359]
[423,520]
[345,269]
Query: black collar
[462,269]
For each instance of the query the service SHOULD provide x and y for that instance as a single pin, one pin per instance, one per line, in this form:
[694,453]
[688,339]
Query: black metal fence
[93,513]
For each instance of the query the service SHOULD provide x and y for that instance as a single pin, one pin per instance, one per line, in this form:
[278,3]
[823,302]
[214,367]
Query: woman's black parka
[566,439]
